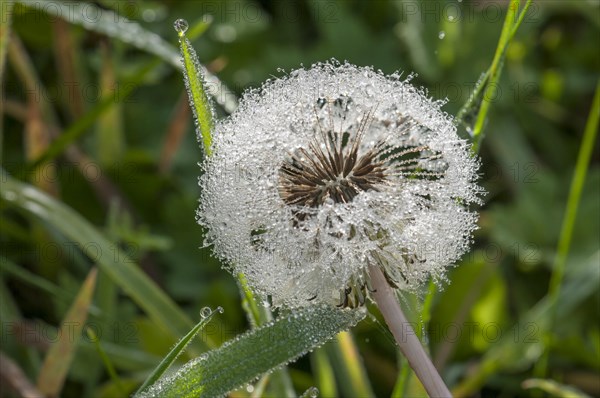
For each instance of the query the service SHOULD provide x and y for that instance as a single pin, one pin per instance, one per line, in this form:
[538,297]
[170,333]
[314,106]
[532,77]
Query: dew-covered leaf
[119,27]
[195,85]
[206,315]
[259,351]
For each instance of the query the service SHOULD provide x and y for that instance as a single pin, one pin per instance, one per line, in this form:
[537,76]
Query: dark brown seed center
[331,169]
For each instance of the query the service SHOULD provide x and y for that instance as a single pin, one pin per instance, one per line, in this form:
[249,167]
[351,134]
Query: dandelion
[329,171]
[335,183]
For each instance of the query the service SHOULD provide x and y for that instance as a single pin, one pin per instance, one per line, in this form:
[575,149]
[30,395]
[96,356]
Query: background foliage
[128,168]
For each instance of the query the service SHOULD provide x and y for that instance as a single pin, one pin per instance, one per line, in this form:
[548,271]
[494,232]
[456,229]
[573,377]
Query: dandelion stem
[405,336]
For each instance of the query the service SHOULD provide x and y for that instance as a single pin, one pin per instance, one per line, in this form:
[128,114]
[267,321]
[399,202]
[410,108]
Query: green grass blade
[198,29]
[58,359]
[568,224]
[134,282]
[508,350]
[349,368]
[479,101]
[108,23]
[281,382]
[106,360]
[110,135]
[177,350]
[256,352]
[130,32]
[255,316]
[554,389]
[78,128]
[194,83]
[508,31]
[324,373]
[581,168]
[312,392]
[29,277]
[5,22]
[404,375]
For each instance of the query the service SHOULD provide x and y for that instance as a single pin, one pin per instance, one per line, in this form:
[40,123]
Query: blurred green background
[129,166]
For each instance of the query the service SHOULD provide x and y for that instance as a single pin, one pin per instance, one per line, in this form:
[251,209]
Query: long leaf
[79,127]
[324,374]
[256,352]
[195,85]
[349,367]
[177,350]
[503,353]
[134,282]
[58,359]
[130,32]
[568,224]
[108,365]
[5,22]
[479,101]
[554,389]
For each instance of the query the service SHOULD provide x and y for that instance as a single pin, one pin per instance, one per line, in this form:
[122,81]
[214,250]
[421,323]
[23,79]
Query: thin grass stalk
[568,224]
[489,80]
[5,22]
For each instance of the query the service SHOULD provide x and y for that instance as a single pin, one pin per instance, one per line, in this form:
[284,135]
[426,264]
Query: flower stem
[405,336]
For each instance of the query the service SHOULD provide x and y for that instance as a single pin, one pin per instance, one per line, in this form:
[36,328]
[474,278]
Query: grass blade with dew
[312,392]
[118,27]
[206,314]
[258,351]
[195,85]
[479,101]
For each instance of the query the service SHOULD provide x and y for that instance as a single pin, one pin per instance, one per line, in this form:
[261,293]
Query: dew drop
[220,310]
[442,34]
[313,392]
[205,312]
[181,26]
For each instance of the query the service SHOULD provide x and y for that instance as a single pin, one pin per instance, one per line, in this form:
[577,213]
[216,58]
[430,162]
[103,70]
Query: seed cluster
[339,173]
[358,169]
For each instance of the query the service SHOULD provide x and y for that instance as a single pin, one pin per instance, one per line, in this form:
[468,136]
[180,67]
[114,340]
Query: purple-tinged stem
[405,336]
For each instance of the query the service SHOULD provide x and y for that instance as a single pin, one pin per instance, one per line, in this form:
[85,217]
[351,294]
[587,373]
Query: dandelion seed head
[329,169]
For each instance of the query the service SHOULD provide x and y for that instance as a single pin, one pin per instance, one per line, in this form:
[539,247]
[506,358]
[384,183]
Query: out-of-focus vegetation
[97,98]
